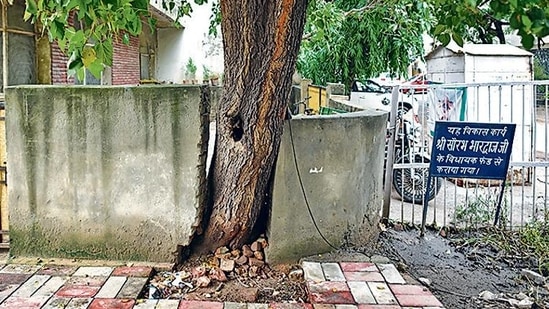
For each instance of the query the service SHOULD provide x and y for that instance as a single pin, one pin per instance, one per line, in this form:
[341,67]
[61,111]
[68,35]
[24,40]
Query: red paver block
[24,302]
[330,297]
[11,279]
[327,286]
[111,303]
[132,271]
[56,270]
[418,301]
[366,276]
[80,291]
[378,307]
[290,306]
[409,289]
[191,304]
[357,267]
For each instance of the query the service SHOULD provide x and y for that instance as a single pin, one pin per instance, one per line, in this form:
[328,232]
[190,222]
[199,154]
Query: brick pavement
[344,285]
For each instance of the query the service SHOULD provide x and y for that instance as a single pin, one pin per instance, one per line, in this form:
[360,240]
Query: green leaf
[526,21]
[126,38]
[439,29]
[527,41]
[458,39]
[80,73]
[32,8]
[76,64]
[514,20]
[96,68]
[140,4]
[444,38]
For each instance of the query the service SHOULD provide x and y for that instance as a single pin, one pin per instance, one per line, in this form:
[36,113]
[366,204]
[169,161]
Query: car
[419,79]
[369,94]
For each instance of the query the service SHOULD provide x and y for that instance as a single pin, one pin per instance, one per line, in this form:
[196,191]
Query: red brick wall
[125,63]
[125,66]
[59,66]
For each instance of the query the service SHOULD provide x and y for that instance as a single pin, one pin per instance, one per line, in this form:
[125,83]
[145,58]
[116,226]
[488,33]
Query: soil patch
[466,270]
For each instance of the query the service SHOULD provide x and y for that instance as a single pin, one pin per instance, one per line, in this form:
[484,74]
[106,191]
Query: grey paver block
[379,259]
[346,307]
[391,274]
[258,306]
[333,272]
[145,304]
[6,292]
[323,306]
[382,293]
[56,303]
[111,287]
[79,303]
[20,269]
[93,271]
[132,287]
[313,271]
[167,304]
[231,305]
[51,286]
[361,292]
[30,286]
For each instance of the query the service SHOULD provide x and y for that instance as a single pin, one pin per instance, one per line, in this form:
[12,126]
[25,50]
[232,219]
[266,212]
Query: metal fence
[472,202]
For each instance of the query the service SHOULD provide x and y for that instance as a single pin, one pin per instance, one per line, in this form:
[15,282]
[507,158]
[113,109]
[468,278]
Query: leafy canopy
[344,39]
[347,39]
[85,29]
[485,20]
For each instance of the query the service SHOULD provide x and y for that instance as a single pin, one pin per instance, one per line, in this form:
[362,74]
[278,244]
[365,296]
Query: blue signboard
[471,150]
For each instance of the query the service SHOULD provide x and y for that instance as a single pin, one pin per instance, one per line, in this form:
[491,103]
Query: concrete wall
[340,160]
[105,172]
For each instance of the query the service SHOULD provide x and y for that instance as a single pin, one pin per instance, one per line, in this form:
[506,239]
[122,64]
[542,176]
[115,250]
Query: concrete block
[382,293]
[51,286]
[112,287]
[313,271]
[391,274]
[79,303]
[332,272]
[361,292]
[56,303]
[343,188]
[105,172]
[30,286]
[132,288]
[93,271]
[168,304]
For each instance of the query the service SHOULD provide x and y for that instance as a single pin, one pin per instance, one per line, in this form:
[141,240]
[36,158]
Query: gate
[470,202]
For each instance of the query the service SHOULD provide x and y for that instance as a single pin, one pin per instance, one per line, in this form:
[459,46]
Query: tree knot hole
[236,126]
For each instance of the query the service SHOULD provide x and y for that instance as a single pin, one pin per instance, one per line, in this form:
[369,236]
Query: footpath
[330,285]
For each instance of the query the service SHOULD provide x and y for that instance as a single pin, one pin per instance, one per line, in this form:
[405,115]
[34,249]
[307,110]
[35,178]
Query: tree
[348,39]
[485,20]
[261,40]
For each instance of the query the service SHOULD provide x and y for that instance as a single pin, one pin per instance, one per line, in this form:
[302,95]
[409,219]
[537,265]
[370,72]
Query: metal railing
[467,201]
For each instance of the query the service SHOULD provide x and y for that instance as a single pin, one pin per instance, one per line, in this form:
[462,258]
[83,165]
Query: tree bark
[261,40]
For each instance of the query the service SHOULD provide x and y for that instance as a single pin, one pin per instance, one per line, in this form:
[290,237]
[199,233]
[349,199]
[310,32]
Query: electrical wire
[303,188]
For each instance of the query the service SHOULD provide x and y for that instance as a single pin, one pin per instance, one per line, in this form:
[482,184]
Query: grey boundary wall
[340,160]
[105,172]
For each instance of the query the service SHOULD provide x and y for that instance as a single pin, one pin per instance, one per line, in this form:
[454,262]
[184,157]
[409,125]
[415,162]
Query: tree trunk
[261,41]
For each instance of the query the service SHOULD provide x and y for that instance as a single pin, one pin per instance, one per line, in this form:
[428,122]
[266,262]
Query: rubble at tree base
[209,277]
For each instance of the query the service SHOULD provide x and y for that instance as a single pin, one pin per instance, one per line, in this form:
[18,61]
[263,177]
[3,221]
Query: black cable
[303,189]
